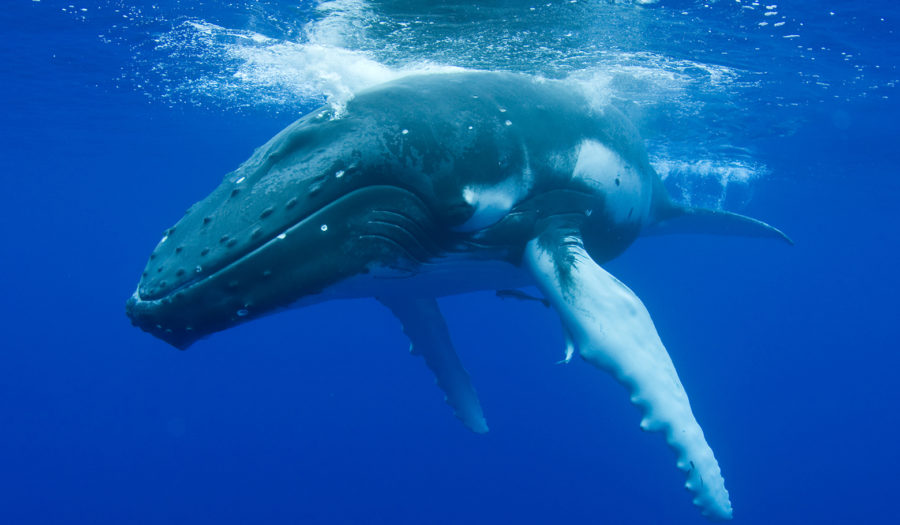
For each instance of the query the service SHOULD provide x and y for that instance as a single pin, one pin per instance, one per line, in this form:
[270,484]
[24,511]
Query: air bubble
[405,132]
[242,312]
[324,228]
[339,174]
[198,269]
[282,236]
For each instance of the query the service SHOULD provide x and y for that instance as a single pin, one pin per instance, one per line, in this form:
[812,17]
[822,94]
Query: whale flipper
[429,337]
[614,332]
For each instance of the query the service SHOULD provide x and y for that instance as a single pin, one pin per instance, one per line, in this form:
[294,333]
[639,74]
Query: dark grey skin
[440,184]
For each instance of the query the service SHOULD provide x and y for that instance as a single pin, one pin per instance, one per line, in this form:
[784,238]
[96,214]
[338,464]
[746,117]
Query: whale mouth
[150,313]
[214,300]
[372,225]
[203,277]
[165,276]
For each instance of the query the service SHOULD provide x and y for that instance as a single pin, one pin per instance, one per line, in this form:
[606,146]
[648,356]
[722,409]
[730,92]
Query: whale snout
[151,317]
[190,309]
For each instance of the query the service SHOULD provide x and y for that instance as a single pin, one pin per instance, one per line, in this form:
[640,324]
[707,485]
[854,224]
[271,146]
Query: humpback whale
[440,184]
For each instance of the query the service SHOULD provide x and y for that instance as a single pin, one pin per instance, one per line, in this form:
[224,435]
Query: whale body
[441,184]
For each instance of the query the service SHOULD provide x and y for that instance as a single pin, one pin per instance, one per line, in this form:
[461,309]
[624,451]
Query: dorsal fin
[675,219]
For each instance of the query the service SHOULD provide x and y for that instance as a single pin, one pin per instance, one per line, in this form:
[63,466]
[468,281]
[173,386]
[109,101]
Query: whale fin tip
[430,338]
[685,220]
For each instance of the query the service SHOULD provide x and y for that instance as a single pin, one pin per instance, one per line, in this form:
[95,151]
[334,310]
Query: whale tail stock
[671,218]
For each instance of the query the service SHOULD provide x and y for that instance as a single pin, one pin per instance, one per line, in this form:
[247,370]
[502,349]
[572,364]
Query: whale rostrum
[441,184]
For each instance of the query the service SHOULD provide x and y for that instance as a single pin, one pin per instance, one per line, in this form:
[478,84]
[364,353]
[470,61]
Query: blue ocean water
[119,115]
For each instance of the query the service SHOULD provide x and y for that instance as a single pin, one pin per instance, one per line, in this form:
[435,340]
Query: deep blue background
[320,416]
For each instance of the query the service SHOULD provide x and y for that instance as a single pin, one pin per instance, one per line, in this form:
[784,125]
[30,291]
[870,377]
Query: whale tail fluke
[676,219]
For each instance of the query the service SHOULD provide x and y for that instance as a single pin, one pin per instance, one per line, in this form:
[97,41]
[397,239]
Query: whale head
[299,216]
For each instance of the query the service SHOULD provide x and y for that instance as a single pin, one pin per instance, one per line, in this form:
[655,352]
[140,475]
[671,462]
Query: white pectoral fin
[430,338]
[614,332]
